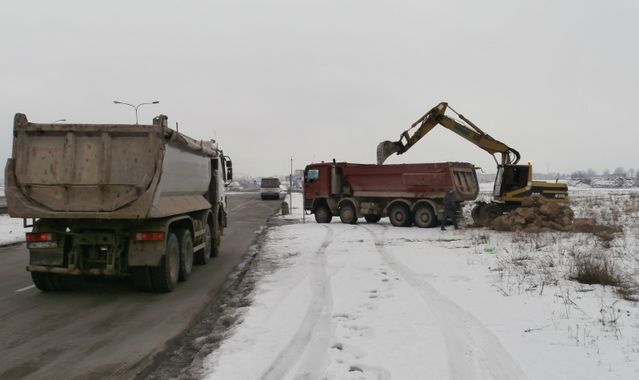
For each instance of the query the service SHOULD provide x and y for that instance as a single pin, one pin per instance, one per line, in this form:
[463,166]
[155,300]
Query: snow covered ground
[372,301]
[11,230]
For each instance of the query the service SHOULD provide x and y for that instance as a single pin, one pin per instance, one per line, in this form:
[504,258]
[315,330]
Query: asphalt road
[109,330]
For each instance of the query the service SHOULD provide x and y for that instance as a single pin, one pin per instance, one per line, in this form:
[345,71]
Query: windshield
[270,182]
[312,175]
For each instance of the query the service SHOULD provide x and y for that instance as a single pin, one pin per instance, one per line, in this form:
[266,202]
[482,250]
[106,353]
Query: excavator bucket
[385,149]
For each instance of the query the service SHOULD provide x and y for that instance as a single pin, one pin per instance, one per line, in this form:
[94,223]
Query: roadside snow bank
[11,230]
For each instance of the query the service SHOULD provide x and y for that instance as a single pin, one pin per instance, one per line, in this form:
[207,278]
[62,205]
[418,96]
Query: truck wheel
[322,214]
[43,281]
[489,212]
[399,215]
[217,238]
[203,256]
[165,275]
[425,216]
[186,254]
[141,278]
[46,281]
[347,214]
[372,218]
[475,213]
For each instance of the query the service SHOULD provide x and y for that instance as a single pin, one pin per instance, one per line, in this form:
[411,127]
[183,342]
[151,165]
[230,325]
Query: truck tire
[203,256]
[186,254]
[216,243]
[489,212]
[372,218]
[322,214]
[43,281]
[347,214]
[141,279]
[165,276]
[425,216]
[475,213]
[399,215]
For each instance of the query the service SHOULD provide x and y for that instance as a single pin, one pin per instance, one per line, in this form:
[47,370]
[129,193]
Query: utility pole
[290,185]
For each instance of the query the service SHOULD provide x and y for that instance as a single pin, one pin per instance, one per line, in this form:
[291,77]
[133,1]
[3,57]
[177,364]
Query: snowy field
[372,301]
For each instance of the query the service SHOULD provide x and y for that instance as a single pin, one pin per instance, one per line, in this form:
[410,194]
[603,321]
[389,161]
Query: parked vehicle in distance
[116,200]
[407,193]
[270,188]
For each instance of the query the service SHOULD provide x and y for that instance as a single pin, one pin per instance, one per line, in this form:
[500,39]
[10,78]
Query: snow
[11,230]
[372,301]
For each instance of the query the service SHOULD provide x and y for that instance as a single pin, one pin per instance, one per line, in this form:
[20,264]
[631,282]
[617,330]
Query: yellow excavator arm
[436,116]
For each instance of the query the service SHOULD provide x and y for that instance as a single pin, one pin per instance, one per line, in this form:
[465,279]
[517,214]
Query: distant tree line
[618,172]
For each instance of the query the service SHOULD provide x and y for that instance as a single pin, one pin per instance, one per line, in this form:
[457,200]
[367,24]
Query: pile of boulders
[535,215]
[539,215]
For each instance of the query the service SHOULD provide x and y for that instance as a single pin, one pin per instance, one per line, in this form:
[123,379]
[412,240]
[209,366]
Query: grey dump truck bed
[106,171]
[116,200]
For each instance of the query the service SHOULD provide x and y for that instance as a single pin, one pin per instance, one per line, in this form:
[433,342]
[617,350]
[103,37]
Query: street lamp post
[135,107]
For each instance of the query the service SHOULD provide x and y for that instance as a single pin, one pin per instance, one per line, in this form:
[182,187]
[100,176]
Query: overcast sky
[316,80]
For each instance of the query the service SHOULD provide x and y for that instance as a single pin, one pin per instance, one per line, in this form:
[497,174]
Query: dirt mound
[539,215]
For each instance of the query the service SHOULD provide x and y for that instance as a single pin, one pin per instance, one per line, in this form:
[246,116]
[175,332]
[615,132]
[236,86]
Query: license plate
[42,244]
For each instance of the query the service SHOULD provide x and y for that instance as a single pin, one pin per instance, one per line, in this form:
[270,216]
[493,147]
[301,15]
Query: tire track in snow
[312,338]
[474,352]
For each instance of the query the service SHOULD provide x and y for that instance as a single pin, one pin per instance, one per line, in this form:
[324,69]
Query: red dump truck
[406,193]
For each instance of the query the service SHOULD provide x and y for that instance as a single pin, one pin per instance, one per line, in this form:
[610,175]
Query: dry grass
[595,268]
[539,260]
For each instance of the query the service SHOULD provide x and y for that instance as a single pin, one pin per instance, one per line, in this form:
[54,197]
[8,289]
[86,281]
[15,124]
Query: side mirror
[229,168]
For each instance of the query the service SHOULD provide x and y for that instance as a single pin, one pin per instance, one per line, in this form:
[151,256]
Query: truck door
[316,182]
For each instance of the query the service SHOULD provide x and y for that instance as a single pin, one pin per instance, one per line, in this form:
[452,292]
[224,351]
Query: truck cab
[270,188]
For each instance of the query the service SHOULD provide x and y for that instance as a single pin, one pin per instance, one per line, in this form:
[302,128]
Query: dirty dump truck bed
[106,171]
[424,180]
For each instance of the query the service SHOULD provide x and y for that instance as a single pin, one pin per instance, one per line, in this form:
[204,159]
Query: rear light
[39,236]
[148,236]
[41,240]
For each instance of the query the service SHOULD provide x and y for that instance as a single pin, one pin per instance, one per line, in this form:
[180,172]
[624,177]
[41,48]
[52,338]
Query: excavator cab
[511,178]
[514,184]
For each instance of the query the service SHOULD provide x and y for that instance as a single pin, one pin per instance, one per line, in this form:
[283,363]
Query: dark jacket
[450,202]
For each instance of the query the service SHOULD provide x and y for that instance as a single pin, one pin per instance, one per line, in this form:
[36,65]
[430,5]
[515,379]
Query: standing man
[450,209]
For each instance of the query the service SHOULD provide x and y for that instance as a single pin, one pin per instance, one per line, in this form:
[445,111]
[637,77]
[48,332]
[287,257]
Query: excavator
[514,183]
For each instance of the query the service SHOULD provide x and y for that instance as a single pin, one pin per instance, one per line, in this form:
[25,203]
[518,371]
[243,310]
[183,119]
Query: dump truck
[405,193]
[514,184]
[116,201]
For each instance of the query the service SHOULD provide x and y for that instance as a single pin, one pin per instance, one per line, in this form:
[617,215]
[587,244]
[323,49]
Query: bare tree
[621,172]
